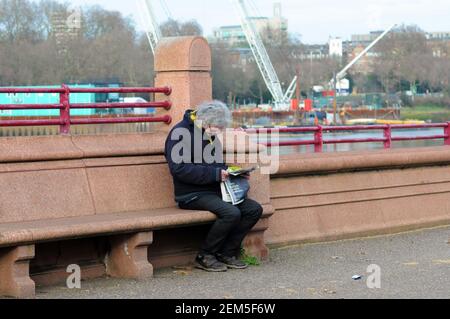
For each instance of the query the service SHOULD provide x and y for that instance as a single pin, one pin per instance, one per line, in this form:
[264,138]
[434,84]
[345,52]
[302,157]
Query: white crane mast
[151,25]
[291,89]
[261,56]
[343,73]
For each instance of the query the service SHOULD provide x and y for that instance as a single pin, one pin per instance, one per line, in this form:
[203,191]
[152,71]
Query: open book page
[225,194]
[237,171]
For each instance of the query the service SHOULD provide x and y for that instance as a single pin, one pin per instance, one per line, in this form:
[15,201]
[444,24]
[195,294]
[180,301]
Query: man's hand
[225,175]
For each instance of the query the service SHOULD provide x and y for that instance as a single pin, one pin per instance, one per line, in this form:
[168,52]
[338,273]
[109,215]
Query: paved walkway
[413,265]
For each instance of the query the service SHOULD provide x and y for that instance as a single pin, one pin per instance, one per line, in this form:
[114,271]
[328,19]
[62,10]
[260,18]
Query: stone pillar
[184,64]
[254,244]
[128,257]
[15,278]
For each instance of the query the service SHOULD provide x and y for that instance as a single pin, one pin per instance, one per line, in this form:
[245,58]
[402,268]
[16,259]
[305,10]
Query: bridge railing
[65,120]
[319,141]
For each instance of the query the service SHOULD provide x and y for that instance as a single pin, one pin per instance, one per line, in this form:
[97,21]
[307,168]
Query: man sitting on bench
[195,157]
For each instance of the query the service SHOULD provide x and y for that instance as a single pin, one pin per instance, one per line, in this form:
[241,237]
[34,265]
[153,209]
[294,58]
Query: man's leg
[229,217]
[251,213]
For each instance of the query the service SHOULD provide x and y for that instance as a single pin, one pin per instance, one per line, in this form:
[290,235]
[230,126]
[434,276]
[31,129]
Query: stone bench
[130,235]
[116,187]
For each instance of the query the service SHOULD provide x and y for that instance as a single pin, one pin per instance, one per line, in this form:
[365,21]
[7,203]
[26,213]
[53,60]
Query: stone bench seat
[129,234]
[98,225]
[13,234]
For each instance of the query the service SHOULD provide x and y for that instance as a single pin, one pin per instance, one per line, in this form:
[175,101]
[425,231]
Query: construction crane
[151,25]
[262,59]
[166,9]
[343,72]
[339,76]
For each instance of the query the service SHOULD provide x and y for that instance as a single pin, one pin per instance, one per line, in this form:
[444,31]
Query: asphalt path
[408,265]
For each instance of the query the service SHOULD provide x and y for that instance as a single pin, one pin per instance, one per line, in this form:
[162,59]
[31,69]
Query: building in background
[439,43]
[277,22]
[234,34]
[438,36]
[364,39]
[314,52]
[53,98]
[336,48]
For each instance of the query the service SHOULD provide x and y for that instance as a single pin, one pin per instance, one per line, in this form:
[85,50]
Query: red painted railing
[319,141]
[64,106]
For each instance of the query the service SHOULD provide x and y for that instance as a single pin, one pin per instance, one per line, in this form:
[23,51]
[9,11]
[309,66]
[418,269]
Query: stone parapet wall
[321,197]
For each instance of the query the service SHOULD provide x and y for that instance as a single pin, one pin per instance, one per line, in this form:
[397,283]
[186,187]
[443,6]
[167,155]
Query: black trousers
[231,227]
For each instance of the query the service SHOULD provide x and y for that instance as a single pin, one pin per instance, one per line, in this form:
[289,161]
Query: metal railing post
[388,137]
[318,140]
[64,115]
[447,134]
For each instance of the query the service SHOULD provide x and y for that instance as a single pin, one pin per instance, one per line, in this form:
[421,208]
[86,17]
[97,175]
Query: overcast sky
[314,20]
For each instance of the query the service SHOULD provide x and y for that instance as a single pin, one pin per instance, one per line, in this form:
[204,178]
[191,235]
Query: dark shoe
[232,262]
[209,263]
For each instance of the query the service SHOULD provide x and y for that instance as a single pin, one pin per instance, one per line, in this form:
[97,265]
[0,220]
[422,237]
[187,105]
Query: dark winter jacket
[194,177]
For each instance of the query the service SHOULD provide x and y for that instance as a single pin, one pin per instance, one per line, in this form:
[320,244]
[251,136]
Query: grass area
[433,113]
[248,259]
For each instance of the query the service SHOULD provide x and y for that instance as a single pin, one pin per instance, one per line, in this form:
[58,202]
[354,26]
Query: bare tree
[20,20]
[37,47]
[173,28]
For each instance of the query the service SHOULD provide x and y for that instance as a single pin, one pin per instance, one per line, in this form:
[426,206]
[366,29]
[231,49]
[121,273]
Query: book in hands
[235,189]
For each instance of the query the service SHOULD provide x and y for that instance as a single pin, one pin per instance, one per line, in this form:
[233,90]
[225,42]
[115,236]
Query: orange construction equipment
[308,105]
[294,104]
